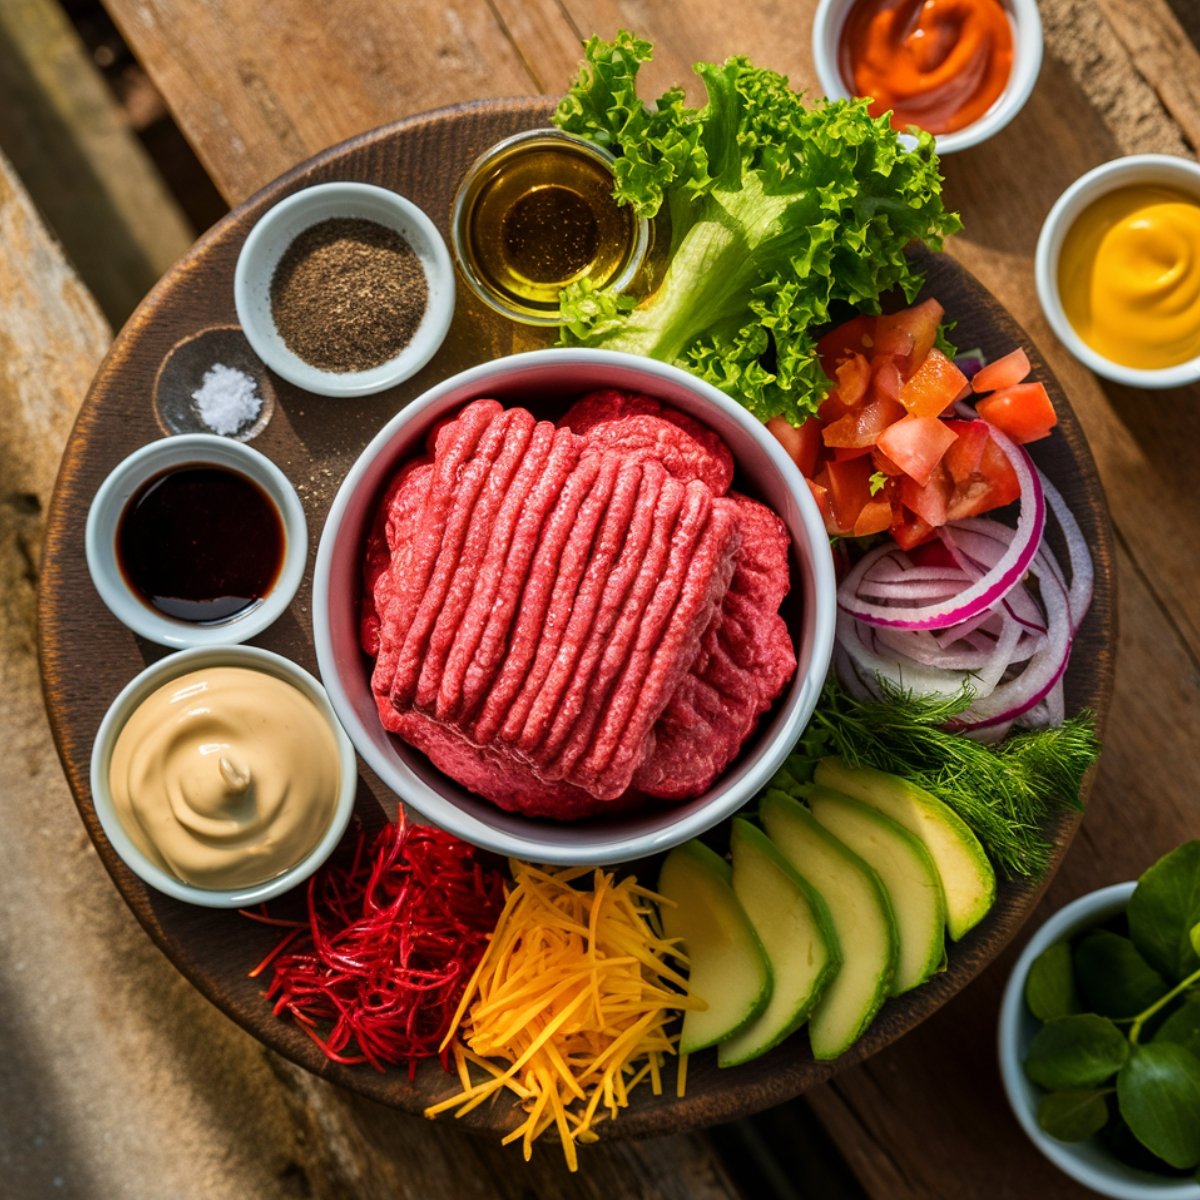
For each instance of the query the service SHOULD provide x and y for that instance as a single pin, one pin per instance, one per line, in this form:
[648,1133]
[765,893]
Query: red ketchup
[937,64]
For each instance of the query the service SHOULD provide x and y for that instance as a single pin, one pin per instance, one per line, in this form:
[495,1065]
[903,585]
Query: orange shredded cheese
[570,1007]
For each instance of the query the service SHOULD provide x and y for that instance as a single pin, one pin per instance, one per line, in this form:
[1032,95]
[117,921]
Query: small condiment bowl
[193,449]
[1026,24]
[489,166]
[150,680]
[552,378]
[280,226]
[1183,175]
[1087,1162]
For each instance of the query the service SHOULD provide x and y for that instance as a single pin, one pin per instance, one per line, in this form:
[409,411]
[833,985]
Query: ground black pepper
[348,294]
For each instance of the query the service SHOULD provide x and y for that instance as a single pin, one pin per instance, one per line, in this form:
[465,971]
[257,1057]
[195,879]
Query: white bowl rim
[598,851]
[162,672]
[1110,176]
[427,339]
[180,450]
[1028,47]
[1123,1183]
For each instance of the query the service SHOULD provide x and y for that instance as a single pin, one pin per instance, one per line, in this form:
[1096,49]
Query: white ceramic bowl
[1026,24]
[162,672]
[192,449]
[1183,175]
[554,377]
[1087,1162]
[280,226]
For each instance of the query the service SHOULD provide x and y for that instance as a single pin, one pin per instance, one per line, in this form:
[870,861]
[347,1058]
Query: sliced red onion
[970,362]
[1082,571]
[986,591]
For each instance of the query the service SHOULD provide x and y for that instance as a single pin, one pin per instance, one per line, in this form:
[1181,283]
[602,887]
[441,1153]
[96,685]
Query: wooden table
[258,86]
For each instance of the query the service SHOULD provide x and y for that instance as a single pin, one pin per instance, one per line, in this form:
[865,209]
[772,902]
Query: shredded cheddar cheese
[570,1006]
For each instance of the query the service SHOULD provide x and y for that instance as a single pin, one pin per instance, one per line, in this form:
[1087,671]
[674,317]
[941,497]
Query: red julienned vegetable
[388,946]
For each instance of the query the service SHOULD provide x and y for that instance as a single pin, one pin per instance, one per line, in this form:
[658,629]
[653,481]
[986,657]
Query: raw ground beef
[569,621]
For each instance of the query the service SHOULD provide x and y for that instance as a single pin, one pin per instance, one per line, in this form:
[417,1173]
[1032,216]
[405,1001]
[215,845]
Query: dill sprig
[1006,793]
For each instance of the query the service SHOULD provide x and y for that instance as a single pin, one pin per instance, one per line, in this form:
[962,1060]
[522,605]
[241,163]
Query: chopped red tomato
[802,444]
[907,529]
[936,384]
[1005,372]
[964,454]
[916,445]
[874,517]
[863,426]
[915,328]
[993,484]
[1023,411]
[855,336]
[849,487]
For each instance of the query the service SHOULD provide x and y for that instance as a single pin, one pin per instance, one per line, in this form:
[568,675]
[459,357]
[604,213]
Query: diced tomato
[855,336]
[863,426]
[849,485]
[935,386]
[1005,372]
[916,445]
[915,328]
[963,456]
[802,443]
[907,529]
[821,496]
[931,500]
[1023,411]
[874,517]
[992,485]
[886,378]
[842,453]
[883,463]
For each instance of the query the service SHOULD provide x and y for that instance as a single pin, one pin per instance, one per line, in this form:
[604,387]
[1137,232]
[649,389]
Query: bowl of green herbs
[1100,1035]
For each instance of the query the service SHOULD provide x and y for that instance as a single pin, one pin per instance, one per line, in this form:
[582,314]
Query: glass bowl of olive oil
[536,213]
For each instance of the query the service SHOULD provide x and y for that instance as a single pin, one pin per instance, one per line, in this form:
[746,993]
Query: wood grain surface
[254,94]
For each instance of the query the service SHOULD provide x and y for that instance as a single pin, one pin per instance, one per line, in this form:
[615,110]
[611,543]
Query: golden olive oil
[537,215]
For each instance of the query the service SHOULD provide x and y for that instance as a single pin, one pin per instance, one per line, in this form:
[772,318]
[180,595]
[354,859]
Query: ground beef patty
[570,621]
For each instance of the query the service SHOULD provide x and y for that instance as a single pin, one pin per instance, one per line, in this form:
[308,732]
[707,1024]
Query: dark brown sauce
[200,543]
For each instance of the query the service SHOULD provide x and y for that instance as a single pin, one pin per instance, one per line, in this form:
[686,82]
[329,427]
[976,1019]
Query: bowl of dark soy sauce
[196,540]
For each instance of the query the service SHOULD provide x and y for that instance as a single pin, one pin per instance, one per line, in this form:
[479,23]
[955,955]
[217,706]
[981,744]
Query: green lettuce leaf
[777,212]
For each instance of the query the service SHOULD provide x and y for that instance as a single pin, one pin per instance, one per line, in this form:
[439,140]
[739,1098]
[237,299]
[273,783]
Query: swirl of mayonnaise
[225,777]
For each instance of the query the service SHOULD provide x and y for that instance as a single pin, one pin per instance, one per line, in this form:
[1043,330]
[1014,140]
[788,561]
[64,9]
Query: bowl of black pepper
[345,289]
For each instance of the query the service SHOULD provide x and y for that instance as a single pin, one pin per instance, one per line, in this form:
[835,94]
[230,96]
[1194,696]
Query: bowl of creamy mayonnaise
[221,776]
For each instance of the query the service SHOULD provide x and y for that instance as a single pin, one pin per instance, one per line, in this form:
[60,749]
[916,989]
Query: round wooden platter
[87,656]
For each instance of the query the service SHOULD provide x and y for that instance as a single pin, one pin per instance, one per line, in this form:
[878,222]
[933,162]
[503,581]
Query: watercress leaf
[1076,1052]
[1163,910]
[1114,979]
[1073,1115]
[1183,1027]
[1050,985]
[1158,1091]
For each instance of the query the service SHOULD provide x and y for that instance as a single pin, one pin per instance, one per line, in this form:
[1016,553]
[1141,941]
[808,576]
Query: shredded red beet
[388,947]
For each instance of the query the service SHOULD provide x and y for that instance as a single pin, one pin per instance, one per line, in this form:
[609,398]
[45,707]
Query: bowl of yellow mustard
[1118,270]
[221,776]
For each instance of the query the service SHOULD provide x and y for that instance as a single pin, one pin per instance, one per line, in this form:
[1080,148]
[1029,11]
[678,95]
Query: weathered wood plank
[73,151]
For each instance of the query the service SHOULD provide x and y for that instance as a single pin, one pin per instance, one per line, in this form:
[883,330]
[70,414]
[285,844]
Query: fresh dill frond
[1006,793]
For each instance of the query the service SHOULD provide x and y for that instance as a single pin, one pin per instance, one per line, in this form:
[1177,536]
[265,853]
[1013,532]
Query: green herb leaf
[1182,1027]
[1158,1091]
[877,483]
[1115,980]
[1050,985]
[1163,910]
[1073,1115]
[1076,1052]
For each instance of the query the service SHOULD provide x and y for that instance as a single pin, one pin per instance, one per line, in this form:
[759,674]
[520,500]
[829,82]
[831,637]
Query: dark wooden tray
[87,656]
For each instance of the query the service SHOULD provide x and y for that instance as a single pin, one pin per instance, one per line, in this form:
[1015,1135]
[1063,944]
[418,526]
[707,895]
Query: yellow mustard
[1129,276]
[225,777]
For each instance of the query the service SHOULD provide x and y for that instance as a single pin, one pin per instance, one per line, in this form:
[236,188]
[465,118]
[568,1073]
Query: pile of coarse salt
[227,399]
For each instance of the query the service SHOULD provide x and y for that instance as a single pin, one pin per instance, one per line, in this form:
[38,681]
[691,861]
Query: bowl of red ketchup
[958,69]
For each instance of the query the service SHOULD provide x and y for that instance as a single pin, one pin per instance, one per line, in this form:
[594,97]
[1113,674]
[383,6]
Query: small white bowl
[1086,1162]
[1181,174]
[280,226]
[154,677]
[550,376]
[1026,24]
[192,449]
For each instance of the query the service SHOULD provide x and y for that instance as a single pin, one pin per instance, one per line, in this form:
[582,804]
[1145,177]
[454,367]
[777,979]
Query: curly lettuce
[777,211]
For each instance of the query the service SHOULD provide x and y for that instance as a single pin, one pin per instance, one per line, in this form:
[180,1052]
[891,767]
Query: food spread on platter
[225,777]
[575,618]
[1129,276]
[936,64]
[200,543]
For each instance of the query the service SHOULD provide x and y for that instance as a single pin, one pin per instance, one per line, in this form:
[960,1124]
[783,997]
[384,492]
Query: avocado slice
[907,871]
[862,919]
[797,933]
[968,879]
[728,966]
